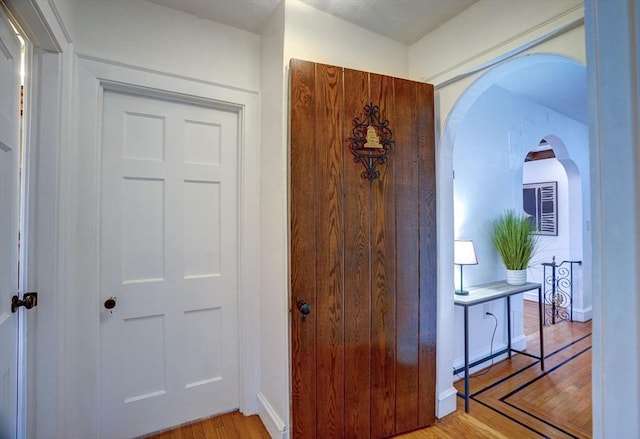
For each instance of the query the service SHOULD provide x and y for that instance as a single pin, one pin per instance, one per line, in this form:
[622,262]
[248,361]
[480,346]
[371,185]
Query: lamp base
[462,292]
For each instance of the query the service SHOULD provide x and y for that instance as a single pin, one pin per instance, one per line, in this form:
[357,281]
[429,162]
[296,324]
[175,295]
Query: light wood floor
[515,399]
[229,426]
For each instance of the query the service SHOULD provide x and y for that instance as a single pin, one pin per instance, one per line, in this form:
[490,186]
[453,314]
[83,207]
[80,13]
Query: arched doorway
[491,128]
[549,167]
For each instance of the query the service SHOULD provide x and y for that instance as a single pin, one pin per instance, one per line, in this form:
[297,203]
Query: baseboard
[582,315]
[275,426]
[446,402]
[519,343]
[579,315]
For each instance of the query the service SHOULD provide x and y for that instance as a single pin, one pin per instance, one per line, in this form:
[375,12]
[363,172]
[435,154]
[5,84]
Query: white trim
[583,314]
[519,343]
[46,381]
[82,214]
[506,49]
[446,402]
[25,324]
[59,21]
[40,22]
[272,422]
[158,72]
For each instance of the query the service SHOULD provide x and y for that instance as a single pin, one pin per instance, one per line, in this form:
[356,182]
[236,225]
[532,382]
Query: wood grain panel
[428,254]
[303,239]
[330,258]
[383,278]
[357,283]
[407,254]
[363,254]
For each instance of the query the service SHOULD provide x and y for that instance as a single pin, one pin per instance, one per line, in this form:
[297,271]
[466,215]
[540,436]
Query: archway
[514,105]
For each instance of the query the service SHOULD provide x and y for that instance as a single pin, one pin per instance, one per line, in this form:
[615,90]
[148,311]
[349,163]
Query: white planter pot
[516,277]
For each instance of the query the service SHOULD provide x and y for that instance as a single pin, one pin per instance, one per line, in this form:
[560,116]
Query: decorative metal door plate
[371,141]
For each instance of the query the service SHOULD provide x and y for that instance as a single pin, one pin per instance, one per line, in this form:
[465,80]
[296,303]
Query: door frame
[46,114]
[82,219]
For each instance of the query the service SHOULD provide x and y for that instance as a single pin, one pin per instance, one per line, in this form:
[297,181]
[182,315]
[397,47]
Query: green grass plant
[512,236]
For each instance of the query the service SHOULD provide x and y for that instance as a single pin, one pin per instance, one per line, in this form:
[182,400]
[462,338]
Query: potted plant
[512,236]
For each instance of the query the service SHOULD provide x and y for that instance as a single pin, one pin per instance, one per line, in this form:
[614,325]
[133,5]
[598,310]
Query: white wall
[274,329]
[317,36]
[488,158]
[143,34]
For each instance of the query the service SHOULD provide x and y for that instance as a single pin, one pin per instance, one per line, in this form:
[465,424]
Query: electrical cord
[486,371]
[491,351]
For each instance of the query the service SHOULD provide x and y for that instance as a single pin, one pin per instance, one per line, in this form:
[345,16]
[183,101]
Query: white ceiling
[405,21]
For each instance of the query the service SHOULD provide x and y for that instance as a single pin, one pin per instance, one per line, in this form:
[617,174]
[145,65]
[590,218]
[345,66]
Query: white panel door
[169,347]
[9,193]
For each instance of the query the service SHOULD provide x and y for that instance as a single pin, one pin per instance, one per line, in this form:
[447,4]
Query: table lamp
[464,254]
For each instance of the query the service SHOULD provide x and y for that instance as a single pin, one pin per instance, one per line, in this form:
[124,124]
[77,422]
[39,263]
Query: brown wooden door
[363,256]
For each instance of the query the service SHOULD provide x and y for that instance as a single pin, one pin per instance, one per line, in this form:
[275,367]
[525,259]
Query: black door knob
[110,303]
[304,307]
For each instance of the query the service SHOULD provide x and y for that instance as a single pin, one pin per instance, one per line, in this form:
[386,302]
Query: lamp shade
[464,253]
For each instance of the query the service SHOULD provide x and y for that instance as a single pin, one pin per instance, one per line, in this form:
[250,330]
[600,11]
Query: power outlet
[485,309]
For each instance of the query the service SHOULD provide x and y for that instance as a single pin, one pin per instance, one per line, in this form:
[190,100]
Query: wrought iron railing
[558,291]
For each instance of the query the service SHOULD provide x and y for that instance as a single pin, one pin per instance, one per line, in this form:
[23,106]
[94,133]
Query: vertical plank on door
[407,274]
[357,283]
[330,256]
[303,240]
[383,392]
[428,254]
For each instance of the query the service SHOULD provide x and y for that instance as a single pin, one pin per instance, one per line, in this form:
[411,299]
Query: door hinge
[21,100]
[29,300]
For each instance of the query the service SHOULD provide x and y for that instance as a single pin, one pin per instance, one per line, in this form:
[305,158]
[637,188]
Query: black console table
[485,293]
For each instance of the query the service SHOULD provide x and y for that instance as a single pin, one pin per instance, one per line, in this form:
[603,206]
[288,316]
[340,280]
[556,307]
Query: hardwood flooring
[232,425]
[515,399]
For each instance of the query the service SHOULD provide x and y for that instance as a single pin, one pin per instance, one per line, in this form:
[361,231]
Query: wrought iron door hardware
[29,300]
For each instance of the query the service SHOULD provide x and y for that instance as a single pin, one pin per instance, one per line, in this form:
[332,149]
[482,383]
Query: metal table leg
[540,322]
[466,359]
[509,325]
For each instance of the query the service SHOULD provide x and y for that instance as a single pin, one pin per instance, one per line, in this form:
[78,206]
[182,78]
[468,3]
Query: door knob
[304,309]
[110,303]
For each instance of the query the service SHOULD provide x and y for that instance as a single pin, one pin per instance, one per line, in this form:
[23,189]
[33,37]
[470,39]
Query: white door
[9,193]
[169,347]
